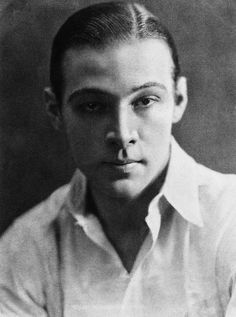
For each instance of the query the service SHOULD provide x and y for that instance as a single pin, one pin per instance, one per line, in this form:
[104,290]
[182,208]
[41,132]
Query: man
[142,230]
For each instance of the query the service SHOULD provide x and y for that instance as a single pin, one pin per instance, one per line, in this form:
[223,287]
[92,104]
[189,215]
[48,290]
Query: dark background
[34,160]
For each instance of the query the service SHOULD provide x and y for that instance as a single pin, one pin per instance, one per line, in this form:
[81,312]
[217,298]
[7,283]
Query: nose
[122,131]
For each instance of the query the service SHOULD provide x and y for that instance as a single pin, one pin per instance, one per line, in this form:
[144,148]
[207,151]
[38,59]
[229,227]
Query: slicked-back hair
[104,24]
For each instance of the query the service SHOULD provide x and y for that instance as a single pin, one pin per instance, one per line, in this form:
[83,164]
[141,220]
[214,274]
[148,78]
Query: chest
[172,278]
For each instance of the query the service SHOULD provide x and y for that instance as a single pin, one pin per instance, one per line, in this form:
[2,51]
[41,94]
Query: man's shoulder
[217,196]
[216,184]
[208,184]
[29,254]
[36,223]
[45,212]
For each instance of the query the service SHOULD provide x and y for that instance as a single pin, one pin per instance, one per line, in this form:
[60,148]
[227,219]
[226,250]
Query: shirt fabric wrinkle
[182,269]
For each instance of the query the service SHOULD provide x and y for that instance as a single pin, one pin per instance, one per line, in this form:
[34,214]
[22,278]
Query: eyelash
[100,107]
[95,104]
[153,99]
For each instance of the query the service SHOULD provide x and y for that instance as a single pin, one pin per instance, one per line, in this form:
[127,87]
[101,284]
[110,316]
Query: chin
[124,189]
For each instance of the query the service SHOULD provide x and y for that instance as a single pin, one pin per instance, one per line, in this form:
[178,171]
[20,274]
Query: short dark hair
[102,24]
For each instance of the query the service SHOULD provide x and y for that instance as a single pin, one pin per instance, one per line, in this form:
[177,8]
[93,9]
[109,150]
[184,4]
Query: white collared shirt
[57,261]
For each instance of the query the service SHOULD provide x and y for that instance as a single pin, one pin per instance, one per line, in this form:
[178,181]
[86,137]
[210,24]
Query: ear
[181,99]
[53,108]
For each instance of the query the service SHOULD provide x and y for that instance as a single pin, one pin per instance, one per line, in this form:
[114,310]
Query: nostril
[120,143]
[116,139]
[133,141]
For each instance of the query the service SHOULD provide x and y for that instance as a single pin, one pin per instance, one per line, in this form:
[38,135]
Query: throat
[123,221]
[128,244]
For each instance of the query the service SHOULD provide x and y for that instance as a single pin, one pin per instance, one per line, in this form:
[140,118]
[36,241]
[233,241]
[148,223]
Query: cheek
[84,139]
[157,128]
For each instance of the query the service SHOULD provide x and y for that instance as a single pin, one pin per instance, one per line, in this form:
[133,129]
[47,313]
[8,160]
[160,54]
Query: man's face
[118,109]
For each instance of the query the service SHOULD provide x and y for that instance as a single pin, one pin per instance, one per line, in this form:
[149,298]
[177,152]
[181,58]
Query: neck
[123,220]
[121,213]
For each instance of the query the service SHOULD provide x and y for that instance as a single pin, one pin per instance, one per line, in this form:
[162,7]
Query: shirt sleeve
[21,275]
[231,307]
[226,266]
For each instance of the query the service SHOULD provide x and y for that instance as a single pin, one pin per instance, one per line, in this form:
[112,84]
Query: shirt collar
[76,205]
[181,187]
[76,199]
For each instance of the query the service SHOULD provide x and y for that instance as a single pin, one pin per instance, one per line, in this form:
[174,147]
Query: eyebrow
[94,90]
[149,85]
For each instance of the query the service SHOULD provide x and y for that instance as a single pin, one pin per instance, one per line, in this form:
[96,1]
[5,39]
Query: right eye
[90,107]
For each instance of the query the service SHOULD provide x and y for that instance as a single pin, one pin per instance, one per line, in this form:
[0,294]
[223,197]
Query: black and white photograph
[117,158]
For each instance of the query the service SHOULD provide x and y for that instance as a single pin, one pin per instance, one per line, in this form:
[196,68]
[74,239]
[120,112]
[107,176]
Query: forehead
[120,66]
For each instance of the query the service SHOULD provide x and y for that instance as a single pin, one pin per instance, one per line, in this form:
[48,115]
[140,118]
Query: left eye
[145,102]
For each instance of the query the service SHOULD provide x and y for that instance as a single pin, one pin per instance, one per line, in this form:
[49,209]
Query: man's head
[102,25]
[116,89]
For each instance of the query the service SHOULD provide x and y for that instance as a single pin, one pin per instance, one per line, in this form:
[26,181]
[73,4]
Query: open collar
[181,187]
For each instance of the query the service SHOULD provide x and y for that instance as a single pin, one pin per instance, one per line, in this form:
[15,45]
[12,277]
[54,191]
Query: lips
[121,162]
[123,166]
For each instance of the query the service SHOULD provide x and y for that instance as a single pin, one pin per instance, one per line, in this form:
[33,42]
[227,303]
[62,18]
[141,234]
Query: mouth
[124,166]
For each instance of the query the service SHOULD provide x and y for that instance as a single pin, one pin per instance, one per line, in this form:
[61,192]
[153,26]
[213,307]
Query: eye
[146,102]
[91,107]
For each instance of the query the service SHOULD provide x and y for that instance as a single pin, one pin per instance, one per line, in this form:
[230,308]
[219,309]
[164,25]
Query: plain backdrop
[35,160]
